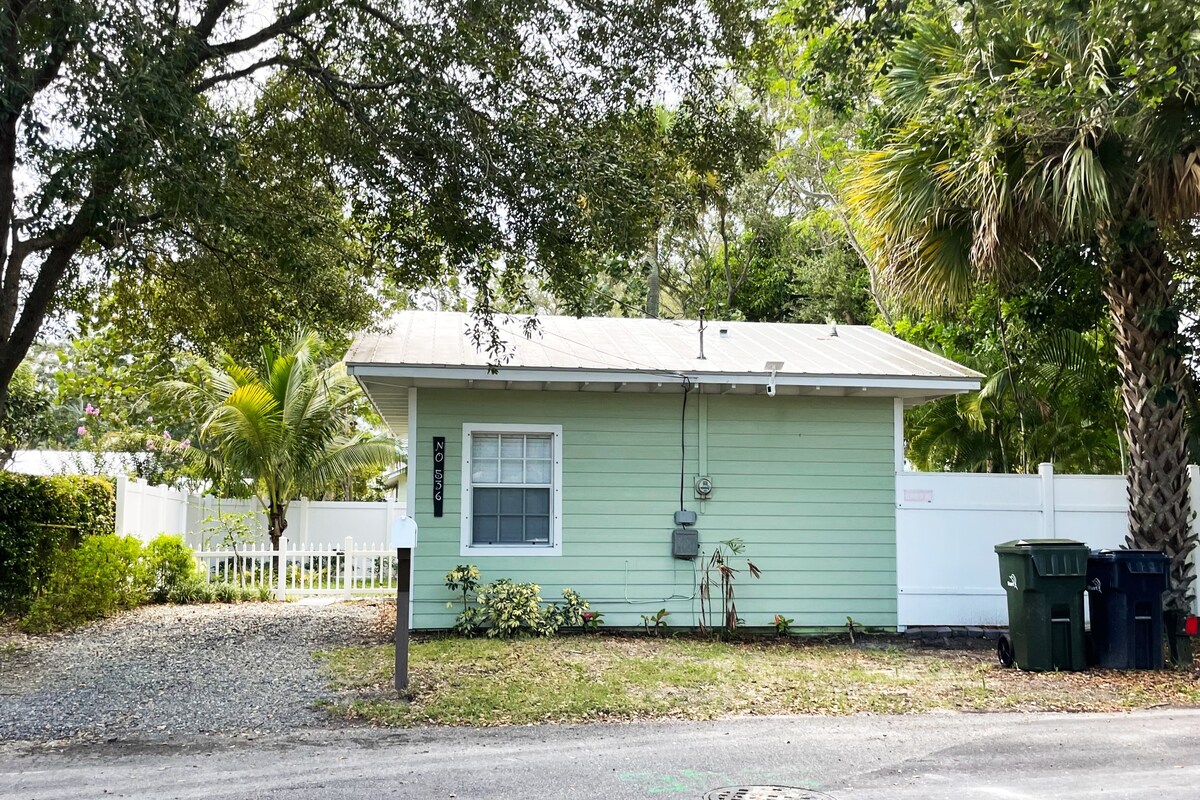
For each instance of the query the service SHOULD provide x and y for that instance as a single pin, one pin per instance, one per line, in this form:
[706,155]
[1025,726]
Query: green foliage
[364,158]
[226,592]
[228,530]
[463,578]
[507,609]
[29,418]
[573,609]
[40,519]
[656,622]
[101,576]
[288,429]
[1074,123]
[168,563]
[511,609]
[796,270]
[592,620]
[106,405]
[1050,386]
[783,625]
[195,590]
[470,621]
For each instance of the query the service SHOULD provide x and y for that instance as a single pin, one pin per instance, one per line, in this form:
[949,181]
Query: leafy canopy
[287,429]
[1011,122]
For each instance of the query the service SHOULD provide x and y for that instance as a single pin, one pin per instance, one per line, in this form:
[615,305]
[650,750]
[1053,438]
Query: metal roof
[654,347]
[435,349]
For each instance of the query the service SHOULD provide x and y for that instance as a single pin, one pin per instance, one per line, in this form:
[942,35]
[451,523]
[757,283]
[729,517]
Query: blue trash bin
[1125,590]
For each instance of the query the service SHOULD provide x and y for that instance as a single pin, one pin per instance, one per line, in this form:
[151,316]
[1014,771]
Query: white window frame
[467,546]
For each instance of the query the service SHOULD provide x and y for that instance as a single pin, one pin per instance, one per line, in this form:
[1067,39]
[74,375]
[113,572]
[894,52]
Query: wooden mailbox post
[404,539]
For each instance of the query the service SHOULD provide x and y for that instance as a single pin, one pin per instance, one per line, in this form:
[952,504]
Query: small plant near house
[511,609]
[657,622]
[783,625]
[719,563]
[574,608]
[592,620]
[463,578]
[850,626]
[469,622]
[505,608]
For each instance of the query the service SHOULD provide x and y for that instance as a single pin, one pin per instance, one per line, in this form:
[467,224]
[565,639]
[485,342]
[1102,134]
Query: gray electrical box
[685,543]
[685,517]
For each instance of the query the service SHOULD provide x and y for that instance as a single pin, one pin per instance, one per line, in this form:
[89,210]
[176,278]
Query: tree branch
[285,23]
[225,77]
[210,17]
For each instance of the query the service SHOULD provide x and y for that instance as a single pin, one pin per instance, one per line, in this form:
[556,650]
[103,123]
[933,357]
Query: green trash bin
[1044,580]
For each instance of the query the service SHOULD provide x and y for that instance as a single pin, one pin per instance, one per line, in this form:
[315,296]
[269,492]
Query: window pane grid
[512,480]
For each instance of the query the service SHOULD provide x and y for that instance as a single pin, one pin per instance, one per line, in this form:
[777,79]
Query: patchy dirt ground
[159,671]
[166,671]
[617,677]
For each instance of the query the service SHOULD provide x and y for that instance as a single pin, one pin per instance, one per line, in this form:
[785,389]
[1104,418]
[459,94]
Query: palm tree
[285,432]
[1013,123]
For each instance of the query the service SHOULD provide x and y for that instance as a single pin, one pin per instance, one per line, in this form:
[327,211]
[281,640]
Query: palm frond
[349,455]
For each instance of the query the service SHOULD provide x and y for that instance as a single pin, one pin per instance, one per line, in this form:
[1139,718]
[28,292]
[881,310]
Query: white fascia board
[505,374]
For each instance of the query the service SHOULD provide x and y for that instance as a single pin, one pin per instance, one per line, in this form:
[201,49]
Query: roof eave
[949,384]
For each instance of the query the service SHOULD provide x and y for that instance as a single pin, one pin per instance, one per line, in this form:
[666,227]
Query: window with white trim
[512,478]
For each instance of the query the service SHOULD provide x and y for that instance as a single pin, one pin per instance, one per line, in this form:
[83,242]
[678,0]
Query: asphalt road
[934,757]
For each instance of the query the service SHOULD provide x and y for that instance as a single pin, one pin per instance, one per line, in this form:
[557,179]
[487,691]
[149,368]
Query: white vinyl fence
[948,523]
[331,548]
[144,511]
[294,570]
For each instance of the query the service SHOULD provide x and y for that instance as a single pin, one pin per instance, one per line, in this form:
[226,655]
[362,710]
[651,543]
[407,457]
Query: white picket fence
[354,570]
[947,525]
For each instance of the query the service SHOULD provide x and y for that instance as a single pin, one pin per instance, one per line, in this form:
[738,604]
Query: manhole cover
[765,793]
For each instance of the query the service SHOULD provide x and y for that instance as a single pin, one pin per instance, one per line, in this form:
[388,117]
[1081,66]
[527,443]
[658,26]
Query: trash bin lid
[1026,545]
[1143,562]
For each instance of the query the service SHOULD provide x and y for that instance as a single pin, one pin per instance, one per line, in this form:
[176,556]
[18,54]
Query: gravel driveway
[166,670]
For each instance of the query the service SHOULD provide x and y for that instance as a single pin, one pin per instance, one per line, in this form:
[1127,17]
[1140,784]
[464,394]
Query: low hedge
[108,574]
[41,518]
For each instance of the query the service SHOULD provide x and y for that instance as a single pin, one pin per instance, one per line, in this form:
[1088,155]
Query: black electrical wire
[687,387]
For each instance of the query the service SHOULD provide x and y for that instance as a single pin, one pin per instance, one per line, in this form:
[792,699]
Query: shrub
[469,622]
[105,574]
[574,608]
[507,608]
[226,592]
[41,518]
[168,563]
[193,590]
[511,608]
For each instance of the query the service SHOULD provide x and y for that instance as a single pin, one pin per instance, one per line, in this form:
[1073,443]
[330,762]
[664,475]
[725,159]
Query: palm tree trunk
[654,280]
[276,523]
[1140,289]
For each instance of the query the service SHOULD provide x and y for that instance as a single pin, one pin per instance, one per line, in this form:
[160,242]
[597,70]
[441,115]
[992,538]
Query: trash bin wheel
[1004,651]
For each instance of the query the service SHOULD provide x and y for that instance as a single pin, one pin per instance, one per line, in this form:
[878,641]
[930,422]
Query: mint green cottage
[565,459]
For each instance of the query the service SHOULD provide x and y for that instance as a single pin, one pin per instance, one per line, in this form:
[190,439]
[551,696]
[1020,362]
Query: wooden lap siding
[807,483]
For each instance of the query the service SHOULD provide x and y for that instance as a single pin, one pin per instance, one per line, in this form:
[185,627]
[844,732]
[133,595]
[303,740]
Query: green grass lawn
[582,678]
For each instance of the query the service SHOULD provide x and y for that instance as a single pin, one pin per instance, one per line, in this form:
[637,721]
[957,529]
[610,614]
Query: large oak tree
[418,139]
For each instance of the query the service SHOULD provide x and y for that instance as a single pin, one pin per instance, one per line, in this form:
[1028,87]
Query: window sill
[491,551]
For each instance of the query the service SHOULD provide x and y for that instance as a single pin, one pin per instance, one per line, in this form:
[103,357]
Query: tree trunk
[276,523]
[1140,289]
[654,280]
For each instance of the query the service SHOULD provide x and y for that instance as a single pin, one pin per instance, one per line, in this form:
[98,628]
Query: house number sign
[439,473]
